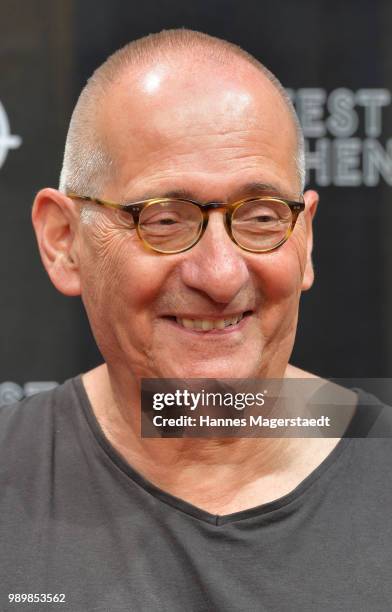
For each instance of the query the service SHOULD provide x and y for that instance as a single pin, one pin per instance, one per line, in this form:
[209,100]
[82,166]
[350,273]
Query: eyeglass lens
[257,225]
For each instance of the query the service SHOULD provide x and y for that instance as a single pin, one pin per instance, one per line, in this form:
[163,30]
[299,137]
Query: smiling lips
[208,324]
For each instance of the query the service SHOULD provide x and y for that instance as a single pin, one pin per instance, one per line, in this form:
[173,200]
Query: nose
[216,266]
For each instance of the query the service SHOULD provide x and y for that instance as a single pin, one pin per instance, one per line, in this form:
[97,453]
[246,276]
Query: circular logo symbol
[7,140]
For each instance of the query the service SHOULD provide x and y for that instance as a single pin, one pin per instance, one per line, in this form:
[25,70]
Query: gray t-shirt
[78,522]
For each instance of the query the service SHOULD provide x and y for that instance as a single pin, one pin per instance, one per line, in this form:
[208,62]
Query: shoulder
[34,400]
[373,418]
[25,423]
[366,415]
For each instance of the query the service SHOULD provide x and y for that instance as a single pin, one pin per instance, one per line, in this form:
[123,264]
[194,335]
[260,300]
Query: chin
[210,370]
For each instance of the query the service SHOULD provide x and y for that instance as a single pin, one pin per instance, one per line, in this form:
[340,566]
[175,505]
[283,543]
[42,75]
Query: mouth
[205,325]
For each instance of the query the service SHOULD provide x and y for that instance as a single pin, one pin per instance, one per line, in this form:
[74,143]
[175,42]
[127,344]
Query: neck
[218,475]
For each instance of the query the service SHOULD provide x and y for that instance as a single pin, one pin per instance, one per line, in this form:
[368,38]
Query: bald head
[90,161]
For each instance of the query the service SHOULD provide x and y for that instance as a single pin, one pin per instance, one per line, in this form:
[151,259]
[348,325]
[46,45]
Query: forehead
[179,121]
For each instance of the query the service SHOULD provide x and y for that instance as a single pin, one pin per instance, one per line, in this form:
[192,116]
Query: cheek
[103,264]
[120,283]
[279,276]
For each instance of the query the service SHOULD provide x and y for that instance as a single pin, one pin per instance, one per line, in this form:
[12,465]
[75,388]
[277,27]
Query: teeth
[207,324]
[186,323]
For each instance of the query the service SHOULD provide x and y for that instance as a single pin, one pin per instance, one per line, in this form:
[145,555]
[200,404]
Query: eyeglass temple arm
[134,209]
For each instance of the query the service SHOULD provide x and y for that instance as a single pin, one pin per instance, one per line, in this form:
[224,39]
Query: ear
[311,201]
[55,222]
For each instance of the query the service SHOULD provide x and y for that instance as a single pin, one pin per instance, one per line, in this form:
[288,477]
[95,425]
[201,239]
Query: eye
[169,217]
[271,212]
[264,218]
[165,218]
[166,221]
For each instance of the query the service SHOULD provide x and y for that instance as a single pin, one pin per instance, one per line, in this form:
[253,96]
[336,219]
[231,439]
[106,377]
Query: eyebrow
[249,189]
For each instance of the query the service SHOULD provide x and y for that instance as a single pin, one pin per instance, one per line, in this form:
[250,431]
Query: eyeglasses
[172,225]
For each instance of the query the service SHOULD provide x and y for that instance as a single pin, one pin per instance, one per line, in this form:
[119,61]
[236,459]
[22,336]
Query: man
[105,519]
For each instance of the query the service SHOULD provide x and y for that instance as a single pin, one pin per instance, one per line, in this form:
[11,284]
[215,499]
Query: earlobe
[54,224]
[311,202]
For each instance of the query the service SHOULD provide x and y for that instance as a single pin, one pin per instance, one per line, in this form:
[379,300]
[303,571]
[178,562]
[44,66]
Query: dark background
[48,48]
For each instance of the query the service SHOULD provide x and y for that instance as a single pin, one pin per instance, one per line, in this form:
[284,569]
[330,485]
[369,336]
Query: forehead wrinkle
[253,188]
[177,171]
[153,154]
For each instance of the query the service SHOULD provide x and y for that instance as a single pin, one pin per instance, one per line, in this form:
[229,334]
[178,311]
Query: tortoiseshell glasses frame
[286,207]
